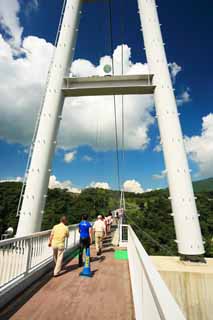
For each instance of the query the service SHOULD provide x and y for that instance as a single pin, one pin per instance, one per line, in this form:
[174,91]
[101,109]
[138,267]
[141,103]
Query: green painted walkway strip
[121,255]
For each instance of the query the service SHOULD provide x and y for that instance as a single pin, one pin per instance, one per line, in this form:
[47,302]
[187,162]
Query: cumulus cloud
[184,97]
[87,158]
[157,148]
[17,179]
[26,76]
[67,184]
[22,82]
[9,21]
[100,185]
[133,186]
[30,5]
[70,156]
[174,70]
[200,147]
[83,68]
[160,176]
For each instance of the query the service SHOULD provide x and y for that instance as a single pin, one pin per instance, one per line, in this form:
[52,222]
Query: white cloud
[70,156]
[158,148]
[25,76]
[133,186]
[200,147]
[9,21]
[67,184]
[160,176]
[184,97]
[87,158]
[21,87]
[100,185]
[174,70]
[30,5]
[17,179]
[83,68]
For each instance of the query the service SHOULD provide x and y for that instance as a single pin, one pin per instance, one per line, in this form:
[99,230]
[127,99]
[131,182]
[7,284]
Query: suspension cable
[117,146]
[123,107]
[114,99]
[164,247]
[122,199]
[110,33]
[122,72]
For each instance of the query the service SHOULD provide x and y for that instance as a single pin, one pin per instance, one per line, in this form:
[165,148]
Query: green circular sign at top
[107,68]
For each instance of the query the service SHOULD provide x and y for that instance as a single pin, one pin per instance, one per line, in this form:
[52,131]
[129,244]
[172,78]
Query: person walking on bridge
[85,229]
[109,222]
[57,242]
[99,229]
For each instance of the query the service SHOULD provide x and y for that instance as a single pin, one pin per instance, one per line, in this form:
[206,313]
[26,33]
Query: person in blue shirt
[85,229]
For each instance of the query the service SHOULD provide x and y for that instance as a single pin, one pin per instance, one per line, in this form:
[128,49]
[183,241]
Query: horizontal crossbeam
[108,85]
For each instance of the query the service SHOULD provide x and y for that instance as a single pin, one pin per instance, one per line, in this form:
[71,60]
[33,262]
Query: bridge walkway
[107,295]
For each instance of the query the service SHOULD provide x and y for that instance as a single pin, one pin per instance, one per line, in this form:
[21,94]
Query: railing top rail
[31,236]
[165,303]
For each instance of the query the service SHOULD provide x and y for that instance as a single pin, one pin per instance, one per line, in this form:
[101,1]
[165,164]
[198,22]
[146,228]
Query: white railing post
[120,224]
[29,254]
[66,243]
[120,232]
[75,236]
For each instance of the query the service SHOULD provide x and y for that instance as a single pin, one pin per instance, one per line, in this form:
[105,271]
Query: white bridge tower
[188,233]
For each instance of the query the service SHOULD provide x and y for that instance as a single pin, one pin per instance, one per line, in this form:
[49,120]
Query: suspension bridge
[134,286]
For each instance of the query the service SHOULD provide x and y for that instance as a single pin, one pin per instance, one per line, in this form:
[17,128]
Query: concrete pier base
[190,283]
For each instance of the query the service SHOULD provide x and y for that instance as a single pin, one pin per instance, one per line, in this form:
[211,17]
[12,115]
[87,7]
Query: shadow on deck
[107,295]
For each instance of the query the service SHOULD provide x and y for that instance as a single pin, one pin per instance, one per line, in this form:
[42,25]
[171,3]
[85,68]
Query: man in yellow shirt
[99,229]
[57,242]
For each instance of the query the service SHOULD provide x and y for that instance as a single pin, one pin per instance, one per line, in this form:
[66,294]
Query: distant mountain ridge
[203,185]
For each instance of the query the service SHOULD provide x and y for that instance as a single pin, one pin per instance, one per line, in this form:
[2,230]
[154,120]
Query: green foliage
[148,213]
[203,185]
[9,198]
[152,222]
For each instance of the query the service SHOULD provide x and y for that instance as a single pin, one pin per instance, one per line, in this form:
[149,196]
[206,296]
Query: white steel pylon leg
[39,171]
[186,220]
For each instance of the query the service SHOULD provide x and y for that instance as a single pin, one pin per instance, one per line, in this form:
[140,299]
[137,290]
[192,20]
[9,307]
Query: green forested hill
[203,185]
[148,213]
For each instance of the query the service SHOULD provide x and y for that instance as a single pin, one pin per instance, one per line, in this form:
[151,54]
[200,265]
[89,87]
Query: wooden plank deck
[107,295]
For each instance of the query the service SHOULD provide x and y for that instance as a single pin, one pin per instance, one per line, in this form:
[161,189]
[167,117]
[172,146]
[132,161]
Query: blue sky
[186,28]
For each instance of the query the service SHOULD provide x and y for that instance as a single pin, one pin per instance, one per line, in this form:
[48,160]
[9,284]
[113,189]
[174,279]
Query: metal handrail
[147,284]
[23,256]
[32,235]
